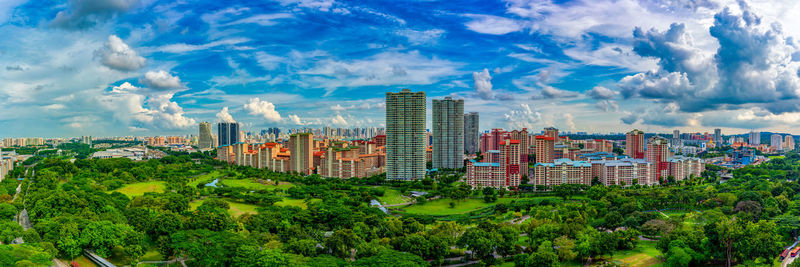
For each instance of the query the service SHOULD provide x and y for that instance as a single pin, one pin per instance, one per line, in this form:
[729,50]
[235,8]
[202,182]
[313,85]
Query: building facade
[405,135]
[447,119]
[472,137]
[204,140]
[228,133]
[301,149]
[634,144]
[545,149]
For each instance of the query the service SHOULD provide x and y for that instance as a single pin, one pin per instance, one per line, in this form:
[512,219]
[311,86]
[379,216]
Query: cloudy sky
[148,67]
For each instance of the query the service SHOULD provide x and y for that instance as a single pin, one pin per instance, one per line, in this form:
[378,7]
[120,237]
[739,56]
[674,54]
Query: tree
[565,248]
[342,242]
[480,241]
[253,256]
[7,211]
[9,230]
[728,233]
[390,257]
[489,194]
[102,236]
[677,256]
[543,256]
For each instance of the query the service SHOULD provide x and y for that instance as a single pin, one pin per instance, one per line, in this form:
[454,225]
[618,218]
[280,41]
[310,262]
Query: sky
[154,67]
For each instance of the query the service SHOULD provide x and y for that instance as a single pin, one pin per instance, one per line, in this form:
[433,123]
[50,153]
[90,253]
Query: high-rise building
[776,141]
[754,138]
[524,145]
[545,148]
[510,161]
[718,137]
[658,154]
[228,133]
[405,135]
[447,119]
[301,151]
[472,136]
[677,134]
[84,139]
[634,144]
[204,140]
[551,132]
[788,143]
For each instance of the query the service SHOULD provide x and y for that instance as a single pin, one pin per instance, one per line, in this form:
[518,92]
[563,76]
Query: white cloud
[600,92]
[161,80]
[322,5]
[117,55]
[262,108]
[168,114]
[522,116]
[267,61]
[425,37]
[261,19]
[338,120]
[296,120]
[483,84]
[489,24]
[383,69]
[83,14]
[224,116]
[184,48]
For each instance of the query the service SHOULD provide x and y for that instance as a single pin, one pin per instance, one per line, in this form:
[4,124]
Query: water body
[213,183]
[378,204]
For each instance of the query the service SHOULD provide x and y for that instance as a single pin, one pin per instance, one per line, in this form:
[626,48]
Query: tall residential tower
[228,133]
[405,135]
[447,119]
[204,139]
[472,136]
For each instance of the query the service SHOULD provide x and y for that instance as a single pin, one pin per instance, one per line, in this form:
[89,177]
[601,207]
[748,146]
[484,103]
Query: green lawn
[236,210]
[205,178]
[82,261]
[252,184]
[295,202]
[392,196]
[442,206]
[138,189]
[645,254]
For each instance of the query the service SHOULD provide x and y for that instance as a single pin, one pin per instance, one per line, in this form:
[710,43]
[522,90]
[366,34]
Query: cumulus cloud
[81,14]
[161,80]
[296,119]
[130,106]
[752,67]
[522,116]
[167,114]
[339,120]
[262,108]
[224,116]
[483,84]
[117,55]
[601,93]
[607,105]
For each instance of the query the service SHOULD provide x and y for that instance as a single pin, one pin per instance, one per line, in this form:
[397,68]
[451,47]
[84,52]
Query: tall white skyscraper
[204,139]
[405,135]
[776,141]
[472,135]
[447,118]
[754,138]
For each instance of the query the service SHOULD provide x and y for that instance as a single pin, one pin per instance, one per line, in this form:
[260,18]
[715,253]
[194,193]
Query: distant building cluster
[303,154]
[134,153]
[560,160]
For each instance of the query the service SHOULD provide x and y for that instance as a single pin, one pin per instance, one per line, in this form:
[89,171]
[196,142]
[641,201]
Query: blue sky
[149,67]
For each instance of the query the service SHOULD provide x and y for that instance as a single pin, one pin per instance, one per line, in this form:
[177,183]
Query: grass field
[392,196]
[442,206]
[645,254]
[236,210]
[295,202]
[138,189]
[252,184]
[205,178]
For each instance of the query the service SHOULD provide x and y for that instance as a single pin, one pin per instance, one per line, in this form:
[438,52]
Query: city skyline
[148,68]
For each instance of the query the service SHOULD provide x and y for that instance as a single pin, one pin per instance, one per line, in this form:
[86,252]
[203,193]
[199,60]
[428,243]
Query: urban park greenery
[255,217]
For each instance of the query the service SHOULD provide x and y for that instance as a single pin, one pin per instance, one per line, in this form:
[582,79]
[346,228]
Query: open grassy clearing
[236,210]
[393,196]
[645,254]
[252,184]
[138,189]
[442,206]
[296,202]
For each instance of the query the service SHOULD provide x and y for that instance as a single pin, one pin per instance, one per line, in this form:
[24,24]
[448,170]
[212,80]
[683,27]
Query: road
[789,259]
